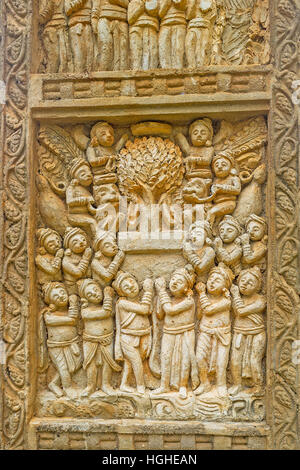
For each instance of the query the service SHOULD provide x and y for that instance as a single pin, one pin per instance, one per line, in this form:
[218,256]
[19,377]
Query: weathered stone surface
[149,241]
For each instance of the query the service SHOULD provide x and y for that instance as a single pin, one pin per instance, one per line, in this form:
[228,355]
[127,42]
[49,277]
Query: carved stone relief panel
[85,35]
[151,264]
[149,237]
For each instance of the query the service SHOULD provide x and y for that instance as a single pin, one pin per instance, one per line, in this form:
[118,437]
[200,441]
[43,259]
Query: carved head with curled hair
[250,280]
[89,291]
[105,243]
[102,134]
[201,132]
[126,285]
[55,295]
[256,227]
[75,240]
[223,164]
[182,280]
[49,240]
[220,280]
[200,233]
[229,229]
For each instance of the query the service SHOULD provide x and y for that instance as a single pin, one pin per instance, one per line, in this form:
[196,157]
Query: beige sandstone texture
[149,235]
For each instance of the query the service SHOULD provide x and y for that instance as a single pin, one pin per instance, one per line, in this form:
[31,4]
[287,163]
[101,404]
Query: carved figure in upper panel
[201,15]
[143,34]
[87,35]
[80,34]
[55,35]
[109,20]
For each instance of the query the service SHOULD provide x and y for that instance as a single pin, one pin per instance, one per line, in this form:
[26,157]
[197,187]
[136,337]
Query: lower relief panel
[151,249]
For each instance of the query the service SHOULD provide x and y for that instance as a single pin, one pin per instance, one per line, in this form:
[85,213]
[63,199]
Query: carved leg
[202,44]
[136,48]
[202,354]
[87,49]
[153,48]
[54,385]
[221,209]
[51,46]
[236,365]
[91,372]
[76,39]
[222,362]
[105,44]
[123,46]
[190,48]
[164,47]
[257,354]
[167,345]
[63,50]
[106,379]
[124,387]
[177,48]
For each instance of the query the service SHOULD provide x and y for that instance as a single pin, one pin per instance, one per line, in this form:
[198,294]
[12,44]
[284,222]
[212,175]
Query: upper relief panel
[111,35]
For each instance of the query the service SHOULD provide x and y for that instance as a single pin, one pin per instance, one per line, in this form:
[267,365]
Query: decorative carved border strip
[110,434]
[16,15]
[284,285]
[113,84]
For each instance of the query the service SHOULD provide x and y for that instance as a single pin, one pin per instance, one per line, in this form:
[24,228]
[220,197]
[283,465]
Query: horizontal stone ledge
[130,110]
[136,426]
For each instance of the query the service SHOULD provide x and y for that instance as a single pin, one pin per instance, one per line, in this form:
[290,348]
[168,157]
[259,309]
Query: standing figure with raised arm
[198,250]
[178,361]
[249,338]
[49,257]
[97,335]
[133,330]
[76,258]
[214,305]
[61,319]
[107,259]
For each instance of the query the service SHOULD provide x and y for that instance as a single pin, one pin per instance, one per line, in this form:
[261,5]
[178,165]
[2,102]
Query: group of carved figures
[85,35]
[76,287]
[219,293]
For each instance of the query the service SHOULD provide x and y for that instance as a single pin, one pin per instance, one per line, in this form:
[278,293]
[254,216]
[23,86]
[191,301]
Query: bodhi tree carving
[150,169]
